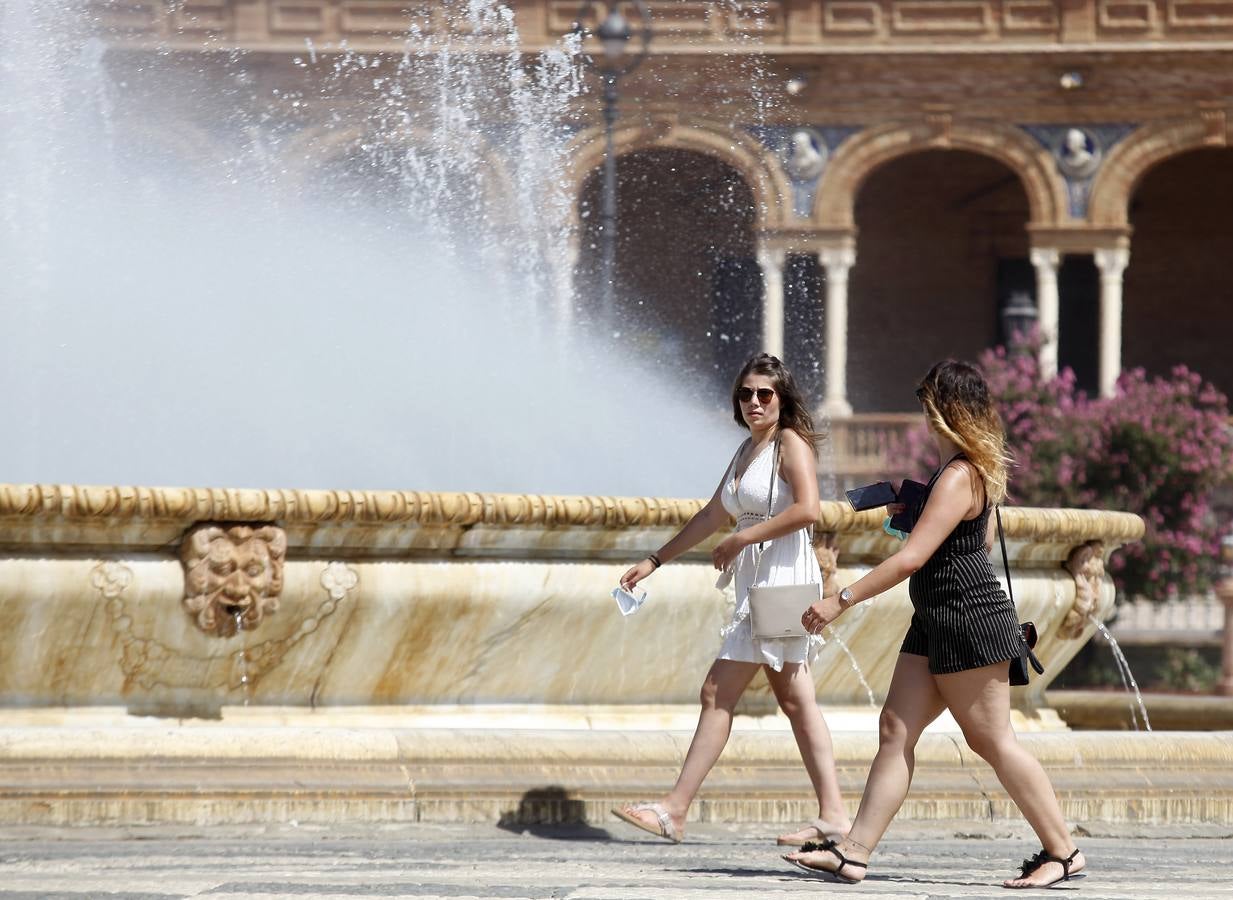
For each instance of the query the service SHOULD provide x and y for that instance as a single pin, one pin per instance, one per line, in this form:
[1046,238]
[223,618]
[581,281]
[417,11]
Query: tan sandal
[663,826]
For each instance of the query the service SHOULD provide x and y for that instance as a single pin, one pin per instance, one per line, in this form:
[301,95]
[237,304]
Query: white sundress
[785,560]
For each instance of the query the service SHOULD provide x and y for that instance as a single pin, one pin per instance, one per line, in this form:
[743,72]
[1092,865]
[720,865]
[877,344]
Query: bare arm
[949,502]
[700,526]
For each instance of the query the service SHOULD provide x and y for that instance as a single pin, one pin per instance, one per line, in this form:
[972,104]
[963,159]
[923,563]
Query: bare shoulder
[793,442]
[962,478]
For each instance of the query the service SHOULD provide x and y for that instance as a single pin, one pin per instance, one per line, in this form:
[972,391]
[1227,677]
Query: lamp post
[614,33]
[1018,317]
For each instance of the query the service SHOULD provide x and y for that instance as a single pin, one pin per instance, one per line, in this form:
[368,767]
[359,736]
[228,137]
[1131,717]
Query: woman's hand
[726,552]
[821,614]
[894,509]
[637,573]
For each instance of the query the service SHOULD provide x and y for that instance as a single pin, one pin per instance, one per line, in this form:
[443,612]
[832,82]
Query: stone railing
[867,446]
[182,601]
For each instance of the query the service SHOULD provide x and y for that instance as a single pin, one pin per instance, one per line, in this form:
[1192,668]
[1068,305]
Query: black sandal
[833,848]
[1028,866]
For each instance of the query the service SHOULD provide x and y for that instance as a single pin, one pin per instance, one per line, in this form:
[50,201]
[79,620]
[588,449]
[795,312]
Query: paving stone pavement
[596,863]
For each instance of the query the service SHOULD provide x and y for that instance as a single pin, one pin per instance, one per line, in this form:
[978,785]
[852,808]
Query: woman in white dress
[766,402]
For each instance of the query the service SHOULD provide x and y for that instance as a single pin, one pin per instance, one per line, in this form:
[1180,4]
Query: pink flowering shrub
[1159,448]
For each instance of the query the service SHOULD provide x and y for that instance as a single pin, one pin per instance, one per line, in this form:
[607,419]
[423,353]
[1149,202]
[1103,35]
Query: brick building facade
[861,185]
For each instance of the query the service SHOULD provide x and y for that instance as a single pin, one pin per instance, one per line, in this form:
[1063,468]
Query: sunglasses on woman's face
[765,395]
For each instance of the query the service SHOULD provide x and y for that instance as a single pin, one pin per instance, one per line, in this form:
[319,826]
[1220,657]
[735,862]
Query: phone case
[871,496]
[913,495]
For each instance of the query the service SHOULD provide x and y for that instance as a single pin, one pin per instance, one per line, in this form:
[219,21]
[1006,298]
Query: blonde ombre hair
[957,404]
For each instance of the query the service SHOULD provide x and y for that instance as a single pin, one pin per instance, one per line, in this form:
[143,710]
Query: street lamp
[1018,317]
[614,34]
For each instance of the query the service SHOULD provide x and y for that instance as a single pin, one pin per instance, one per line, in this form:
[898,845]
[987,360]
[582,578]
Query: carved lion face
[232,575]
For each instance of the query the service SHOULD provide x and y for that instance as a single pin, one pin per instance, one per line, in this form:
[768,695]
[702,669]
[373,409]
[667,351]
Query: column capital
[1045,257]
[771,253]
[837,258]
[1112,261]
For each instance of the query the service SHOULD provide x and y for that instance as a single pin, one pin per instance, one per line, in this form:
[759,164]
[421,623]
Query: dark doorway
[1178,294]
[1078,285]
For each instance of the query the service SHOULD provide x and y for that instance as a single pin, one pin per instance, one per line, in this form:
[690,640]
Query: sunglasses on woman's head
[746,394]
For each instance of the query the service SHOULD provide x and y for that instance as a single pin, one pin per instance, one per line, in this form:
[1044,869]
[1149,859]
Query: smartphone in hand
[871,496]
[912,494]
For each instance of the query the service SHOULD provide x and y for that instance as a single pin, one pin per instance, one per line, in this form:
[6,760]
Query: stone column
[837,261]
[772,259]
[1224,590]
[1045,260]
[1112,263]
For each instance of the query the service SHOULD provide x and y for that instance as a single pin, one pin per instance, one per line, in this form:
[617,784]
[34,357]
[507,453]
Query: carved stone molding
[28,506]
[1087,564]
[233,575]
[1215,124]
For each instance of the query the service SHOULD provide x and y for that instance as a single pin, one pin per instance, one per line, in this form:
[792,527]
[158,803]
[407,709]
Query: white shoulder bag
[775,610]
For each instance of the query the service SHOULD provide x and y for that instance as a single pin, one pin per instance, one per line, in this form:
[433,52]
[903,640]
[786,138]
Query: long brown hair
[957,403]
[793,413]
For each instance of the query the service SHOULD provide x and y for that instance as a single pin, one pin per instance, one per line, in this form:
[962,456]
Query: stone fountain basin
[448,603]
[456,657]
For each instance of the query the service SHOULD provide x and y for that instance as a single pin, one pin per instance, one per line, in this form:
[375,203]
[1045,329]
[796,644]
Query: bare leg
[724,684]
[912,703]
[794,689]
[980,702]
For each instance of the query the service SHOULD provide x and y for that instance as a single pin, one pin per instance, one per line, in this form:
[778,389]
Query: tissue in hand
[630,600]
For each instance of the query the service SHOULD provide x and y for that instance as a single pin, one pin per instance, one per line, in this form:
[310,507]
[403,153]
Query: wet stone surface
[425,861]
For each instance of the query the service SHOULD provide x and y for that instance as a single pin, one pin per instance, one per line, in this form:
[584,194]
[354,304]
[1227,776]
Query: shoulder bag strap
[997,511]
[770,494]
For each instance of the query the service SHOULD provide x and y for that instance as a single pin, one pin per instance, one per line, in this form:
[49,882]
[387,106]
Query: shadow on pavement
[550,813]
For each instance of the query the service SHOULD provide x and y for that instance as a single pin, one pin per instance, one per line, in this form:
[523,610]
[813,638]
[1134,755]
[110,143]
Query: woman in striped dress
[955,656]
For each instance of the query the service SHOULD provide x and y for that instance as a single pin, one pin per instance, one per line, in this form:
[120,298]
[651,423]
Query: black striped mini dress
[962,618]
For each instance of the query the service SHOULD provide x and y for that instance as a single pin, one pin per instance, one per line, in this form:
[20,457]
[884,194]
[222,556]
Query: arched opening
[403,185]
[688,286]
[941,248]
[1178,290]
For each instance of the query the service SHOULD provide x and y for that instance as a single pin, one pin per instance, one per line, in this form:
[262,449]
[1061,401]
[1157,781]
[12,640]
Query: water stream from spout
[855,666]
[242,657]
[1128,678]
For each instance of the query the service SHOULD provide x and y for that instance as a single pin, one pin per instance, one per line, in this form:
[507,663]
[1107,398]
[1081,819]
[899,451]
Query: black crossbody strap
[997,511]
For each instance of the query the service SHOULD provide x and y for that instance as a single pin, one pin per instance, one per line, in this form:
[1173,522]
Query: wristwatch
[845,597]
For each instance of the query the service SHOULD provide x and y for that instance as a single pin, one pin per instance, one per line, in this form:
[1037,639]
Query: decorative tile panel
[305,17]
[854,18]
[385,17]
[128,16]
[212,16]
[1127,15]
[1030,15]
[1200,14]
[765,20]
[934,16]
[668,17]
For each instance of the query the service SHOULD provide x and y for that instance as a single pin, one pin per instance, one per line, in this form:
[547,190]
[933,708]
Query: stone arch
[740,151]
[861,154]
[1134,157]
[314,148]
